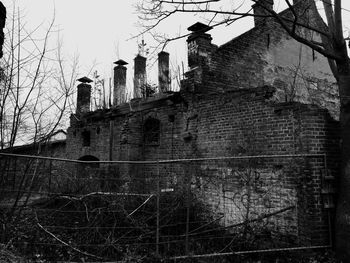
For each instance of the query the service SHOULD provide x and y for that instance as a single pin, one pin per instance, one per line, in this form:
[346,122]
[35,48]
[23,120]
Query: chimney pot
[119,82]
[84,95]
[121,62]
[163,72]
[85,80]
[139,75]
[260,9]
[198,44]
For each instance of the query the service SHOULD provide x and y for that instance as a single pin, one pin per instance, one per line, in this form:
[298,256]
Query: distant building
[53,145]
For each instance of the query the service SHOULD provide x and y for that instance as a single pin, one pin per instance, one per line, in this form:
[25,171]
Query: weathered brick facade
[238,123]
[265,55]
[260,94]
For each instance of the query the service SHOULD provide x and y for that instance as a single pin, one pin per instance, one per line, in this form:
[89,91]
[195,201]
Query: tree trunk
[342,219]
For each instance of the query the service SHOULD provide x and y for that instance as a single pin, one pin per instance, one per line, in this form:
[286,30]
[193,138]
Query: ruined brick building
[262,93]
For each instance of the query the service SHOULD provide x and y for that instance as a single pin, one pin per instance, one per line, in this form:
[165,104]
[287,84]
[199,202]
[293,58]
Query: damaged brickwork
[260,94]
[240,123]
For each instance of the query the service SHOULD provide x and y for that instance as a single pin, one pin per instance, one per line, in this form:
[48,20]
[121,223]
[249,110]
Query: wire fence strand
[173,208]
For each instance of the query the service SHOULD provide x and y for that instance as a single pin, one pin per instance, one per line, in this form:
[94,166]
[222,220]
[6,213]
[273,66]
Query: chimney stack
[199,45]
[163,72]
[139,75]
[260,9]
[84,95]
[119,82]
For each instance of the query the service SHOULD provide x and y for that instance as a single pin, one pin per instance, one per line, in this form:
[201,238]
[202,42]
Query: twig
[217,219]
[141,205]
[64,243]
[79,198]
[248,221]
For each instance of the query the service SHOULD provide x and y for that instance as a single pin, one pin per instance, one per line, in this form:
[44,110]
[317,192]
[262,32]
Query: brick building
[260,94]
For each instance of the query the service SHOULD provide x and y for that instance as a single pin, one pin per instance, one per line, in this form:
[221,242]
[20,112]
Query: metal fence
[172,209]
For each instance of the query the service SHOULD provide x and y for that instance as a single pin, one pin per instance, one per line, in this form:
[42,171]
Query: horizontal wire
[134,243]
[134,227]
[97,227]
[53,177]
[164,161]
[93,210]
[142,179]
[101,245]
[250,252]
[60,194]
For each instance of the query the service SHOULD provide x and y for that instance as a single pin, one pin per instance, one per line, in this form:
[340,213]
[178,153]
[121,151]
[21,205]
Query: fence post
[14,175]
[50,174]
[158,208]
[188,201]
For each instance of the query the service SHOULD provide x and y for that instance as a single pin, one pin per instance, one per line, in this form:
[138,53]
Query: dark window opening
[151,129]
[86,138]
[91,161]
[171,118]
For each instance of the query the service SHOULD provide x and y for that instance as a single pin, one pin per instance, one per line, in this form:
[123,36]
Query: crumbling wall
[247,122]
[252,124]
[265,55]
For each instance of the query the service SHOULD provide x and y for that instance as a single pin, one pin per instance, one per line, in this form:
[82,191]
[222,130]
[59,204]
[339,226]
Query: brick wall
[267,55]
[237,123]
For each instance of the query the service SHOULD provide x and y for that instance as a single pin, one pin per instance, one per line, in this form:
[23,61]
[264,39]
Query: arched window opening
[151,131]
[88,159]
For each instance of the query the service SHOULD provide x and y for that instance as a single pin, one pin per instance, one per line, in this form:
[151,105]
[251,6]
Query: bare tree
[332,45]
[36,88]
[36,84]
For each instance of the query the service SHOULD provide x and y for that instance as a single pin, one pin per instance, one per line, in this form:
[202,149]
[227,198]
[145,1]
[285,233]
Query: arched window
[151,131]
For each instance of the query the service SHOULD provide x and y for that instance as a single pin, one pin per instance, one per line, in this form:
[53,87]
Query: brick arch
[90,158]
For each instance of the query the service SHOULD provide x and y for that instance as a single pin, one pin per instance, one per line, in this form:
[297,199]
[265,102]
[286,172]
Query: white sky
[98,30]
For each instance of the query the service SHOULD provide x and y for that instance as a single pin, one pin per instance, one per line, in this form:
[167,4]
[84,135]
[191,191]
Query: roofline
[256,27]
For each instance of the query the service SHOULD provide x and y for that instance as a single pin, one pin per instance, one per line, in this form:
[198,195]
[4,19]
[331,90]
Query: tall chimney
[199,45]
[139,75]
[119,82]
[163,72]
[84,95]
[260,9]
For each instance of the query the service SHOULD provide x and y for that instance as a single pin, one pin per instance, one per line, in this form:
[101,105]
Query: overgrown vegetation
[99,228]
[89,213]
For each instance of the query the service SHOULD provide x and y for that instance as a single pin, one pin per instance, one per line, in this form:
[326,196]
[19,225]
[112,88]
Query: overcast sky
[99,30]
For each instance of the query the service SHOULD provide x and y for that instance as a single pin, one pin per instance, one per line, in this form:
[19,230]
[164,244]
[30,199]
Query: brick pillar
[119,82]
[84,95]
[139,75]
[260,9]
[199,45]
[163,72]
